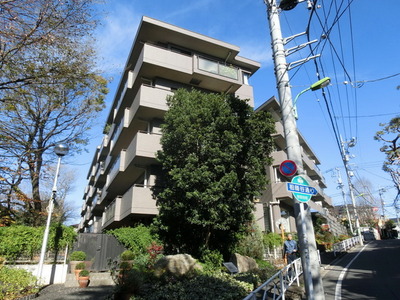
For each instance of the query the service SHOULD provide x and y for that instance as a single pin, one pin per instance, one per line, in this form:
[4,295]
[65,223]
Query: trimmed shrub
[18,240]
[80,266]
[84,273]
[16,283]
[77,256]
[127,255]
[218,286]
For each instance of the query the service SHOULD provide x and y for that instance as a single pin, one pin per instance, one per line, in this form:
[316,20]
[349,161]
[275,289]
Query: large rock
[243,263]
[178,264]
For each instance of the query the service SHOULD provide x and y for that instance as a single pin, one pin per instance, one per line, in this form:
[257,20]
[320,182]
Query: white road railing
[345,244]
[275,287]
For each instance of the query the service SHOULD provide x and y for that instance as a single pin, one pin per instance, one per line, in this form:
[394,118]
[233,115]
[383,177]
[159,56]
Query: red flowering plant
[155,252]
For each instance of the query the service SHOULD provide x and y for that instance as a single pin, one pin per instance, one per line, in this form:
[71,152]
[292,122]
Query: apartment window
[218,68]
[246,77]
[278,176]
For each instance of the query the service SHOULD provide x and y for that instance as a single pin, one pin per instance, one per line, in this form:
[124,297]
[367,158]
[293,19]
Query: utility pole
[349,173]
[381,191]
[341,186]
[309,256]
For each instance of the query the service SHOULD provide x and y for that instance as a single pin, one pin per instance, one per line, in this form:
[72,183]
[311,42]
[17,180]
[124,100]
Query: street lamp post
[320,84]
[60,150]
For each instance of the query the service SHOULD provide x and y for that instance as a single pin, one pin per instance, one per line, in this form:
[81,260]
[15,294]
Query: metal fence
[277,285]
[99,248]
[345,245]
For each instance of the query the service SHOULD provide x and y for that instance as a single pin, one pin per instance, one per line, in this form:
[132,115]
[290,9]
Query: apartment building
[277,201]
[162,59]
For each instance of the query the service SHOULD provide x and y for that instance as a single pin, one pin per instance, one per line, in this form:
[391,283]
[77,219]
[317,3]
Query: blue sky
[362,50]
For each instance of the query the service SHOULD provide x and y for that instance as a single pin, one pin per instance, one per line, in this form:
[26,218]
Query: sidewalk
[60,292]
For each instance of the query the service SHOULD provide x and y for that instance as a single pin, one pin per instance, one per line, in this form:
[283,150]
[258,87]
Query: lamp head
[61,149]
[352,142]
[320,84]
[288,4]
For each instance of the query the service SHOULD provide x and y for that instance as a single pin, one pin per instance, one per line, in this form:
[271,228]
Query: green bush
[272,240]
[80,266]
[251,244]
[212,260]
[84,273]
[137,239]
[19,240]
[127,255]
[216,286]
[16,283]
[77,256]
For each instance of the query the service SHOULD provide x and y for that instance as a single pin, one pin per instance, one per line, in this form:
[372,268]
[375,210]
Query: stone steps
[96,279]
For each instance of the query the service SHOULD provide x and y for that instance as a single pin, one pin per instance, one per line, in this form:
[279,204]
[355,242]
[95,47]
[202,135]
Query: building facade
[162,59]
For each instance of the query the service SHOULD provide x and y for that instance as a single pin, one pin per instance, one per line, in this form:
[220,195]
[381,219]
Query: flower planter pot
[83,281]
[77,273]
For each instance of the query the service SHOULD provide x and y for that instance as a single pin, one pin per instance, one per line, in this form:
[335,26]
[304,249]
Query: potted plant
[83,278]
[78,268]
[75,258]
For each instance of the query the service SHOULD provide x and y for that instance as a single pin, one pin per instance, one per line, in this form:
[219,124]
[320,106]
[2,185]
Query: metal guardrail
[275,287]
[345,245]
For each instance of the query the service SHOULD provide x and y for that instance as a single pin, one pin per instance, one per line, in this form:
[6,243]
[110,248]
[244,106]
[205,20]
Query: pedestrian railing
[275,287]
[345,245]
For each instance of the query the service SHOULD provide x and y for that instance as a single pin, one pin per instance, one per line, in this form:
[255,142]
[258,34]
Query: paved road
[373,272]
[59,292]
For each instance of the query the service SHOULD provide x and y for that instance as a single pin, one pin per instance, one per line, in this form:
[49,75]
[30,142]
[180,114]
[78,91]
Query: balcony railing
[218,68]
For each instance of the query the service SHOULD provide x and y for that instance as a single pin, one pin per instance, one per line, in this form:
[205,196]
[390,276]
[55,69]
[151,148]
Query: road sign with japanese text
[301,189]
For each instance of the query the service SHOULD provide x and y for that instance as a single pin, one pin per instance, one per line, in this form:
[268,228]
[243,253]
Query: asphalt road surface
[371,271]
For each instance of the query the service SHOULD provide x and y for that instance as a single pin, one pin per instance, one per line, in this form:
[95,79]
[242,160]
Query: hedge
[24,241]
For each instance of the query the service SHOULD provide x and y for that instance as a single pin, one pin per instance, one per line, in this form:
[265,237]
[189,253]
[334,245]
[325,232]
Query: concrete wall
[50,274]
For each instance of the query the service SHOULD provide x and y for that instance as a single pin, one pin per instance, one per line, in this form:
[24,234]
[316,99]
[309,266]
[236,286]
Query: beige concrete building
[163,58]
[277,201]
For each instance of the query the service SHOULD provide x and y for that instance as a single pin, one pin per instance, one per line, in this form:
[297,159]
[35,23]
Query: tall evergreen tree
[215,149]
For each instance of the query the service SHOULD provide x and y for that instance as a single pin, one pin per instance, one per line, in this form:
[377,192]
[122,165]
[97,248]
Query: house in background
[163,58]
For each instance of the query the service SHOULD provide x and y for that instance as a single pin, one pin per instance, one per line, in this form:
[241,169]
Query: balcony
[142,149]
[111,213]
[88,214]
[149,102]
[218,68]
[104,147]
[202,72]
[138,200]
[100,177]
[130,162]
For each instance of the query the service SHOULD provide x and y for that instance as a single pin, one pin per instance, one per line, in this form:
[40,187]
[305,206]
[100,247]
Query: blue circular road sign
[288,168]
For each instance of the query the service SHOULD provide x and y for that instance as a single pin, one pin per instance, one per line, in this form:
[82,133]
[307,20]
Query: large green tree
[390,136]
[215,149]
[50,92]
